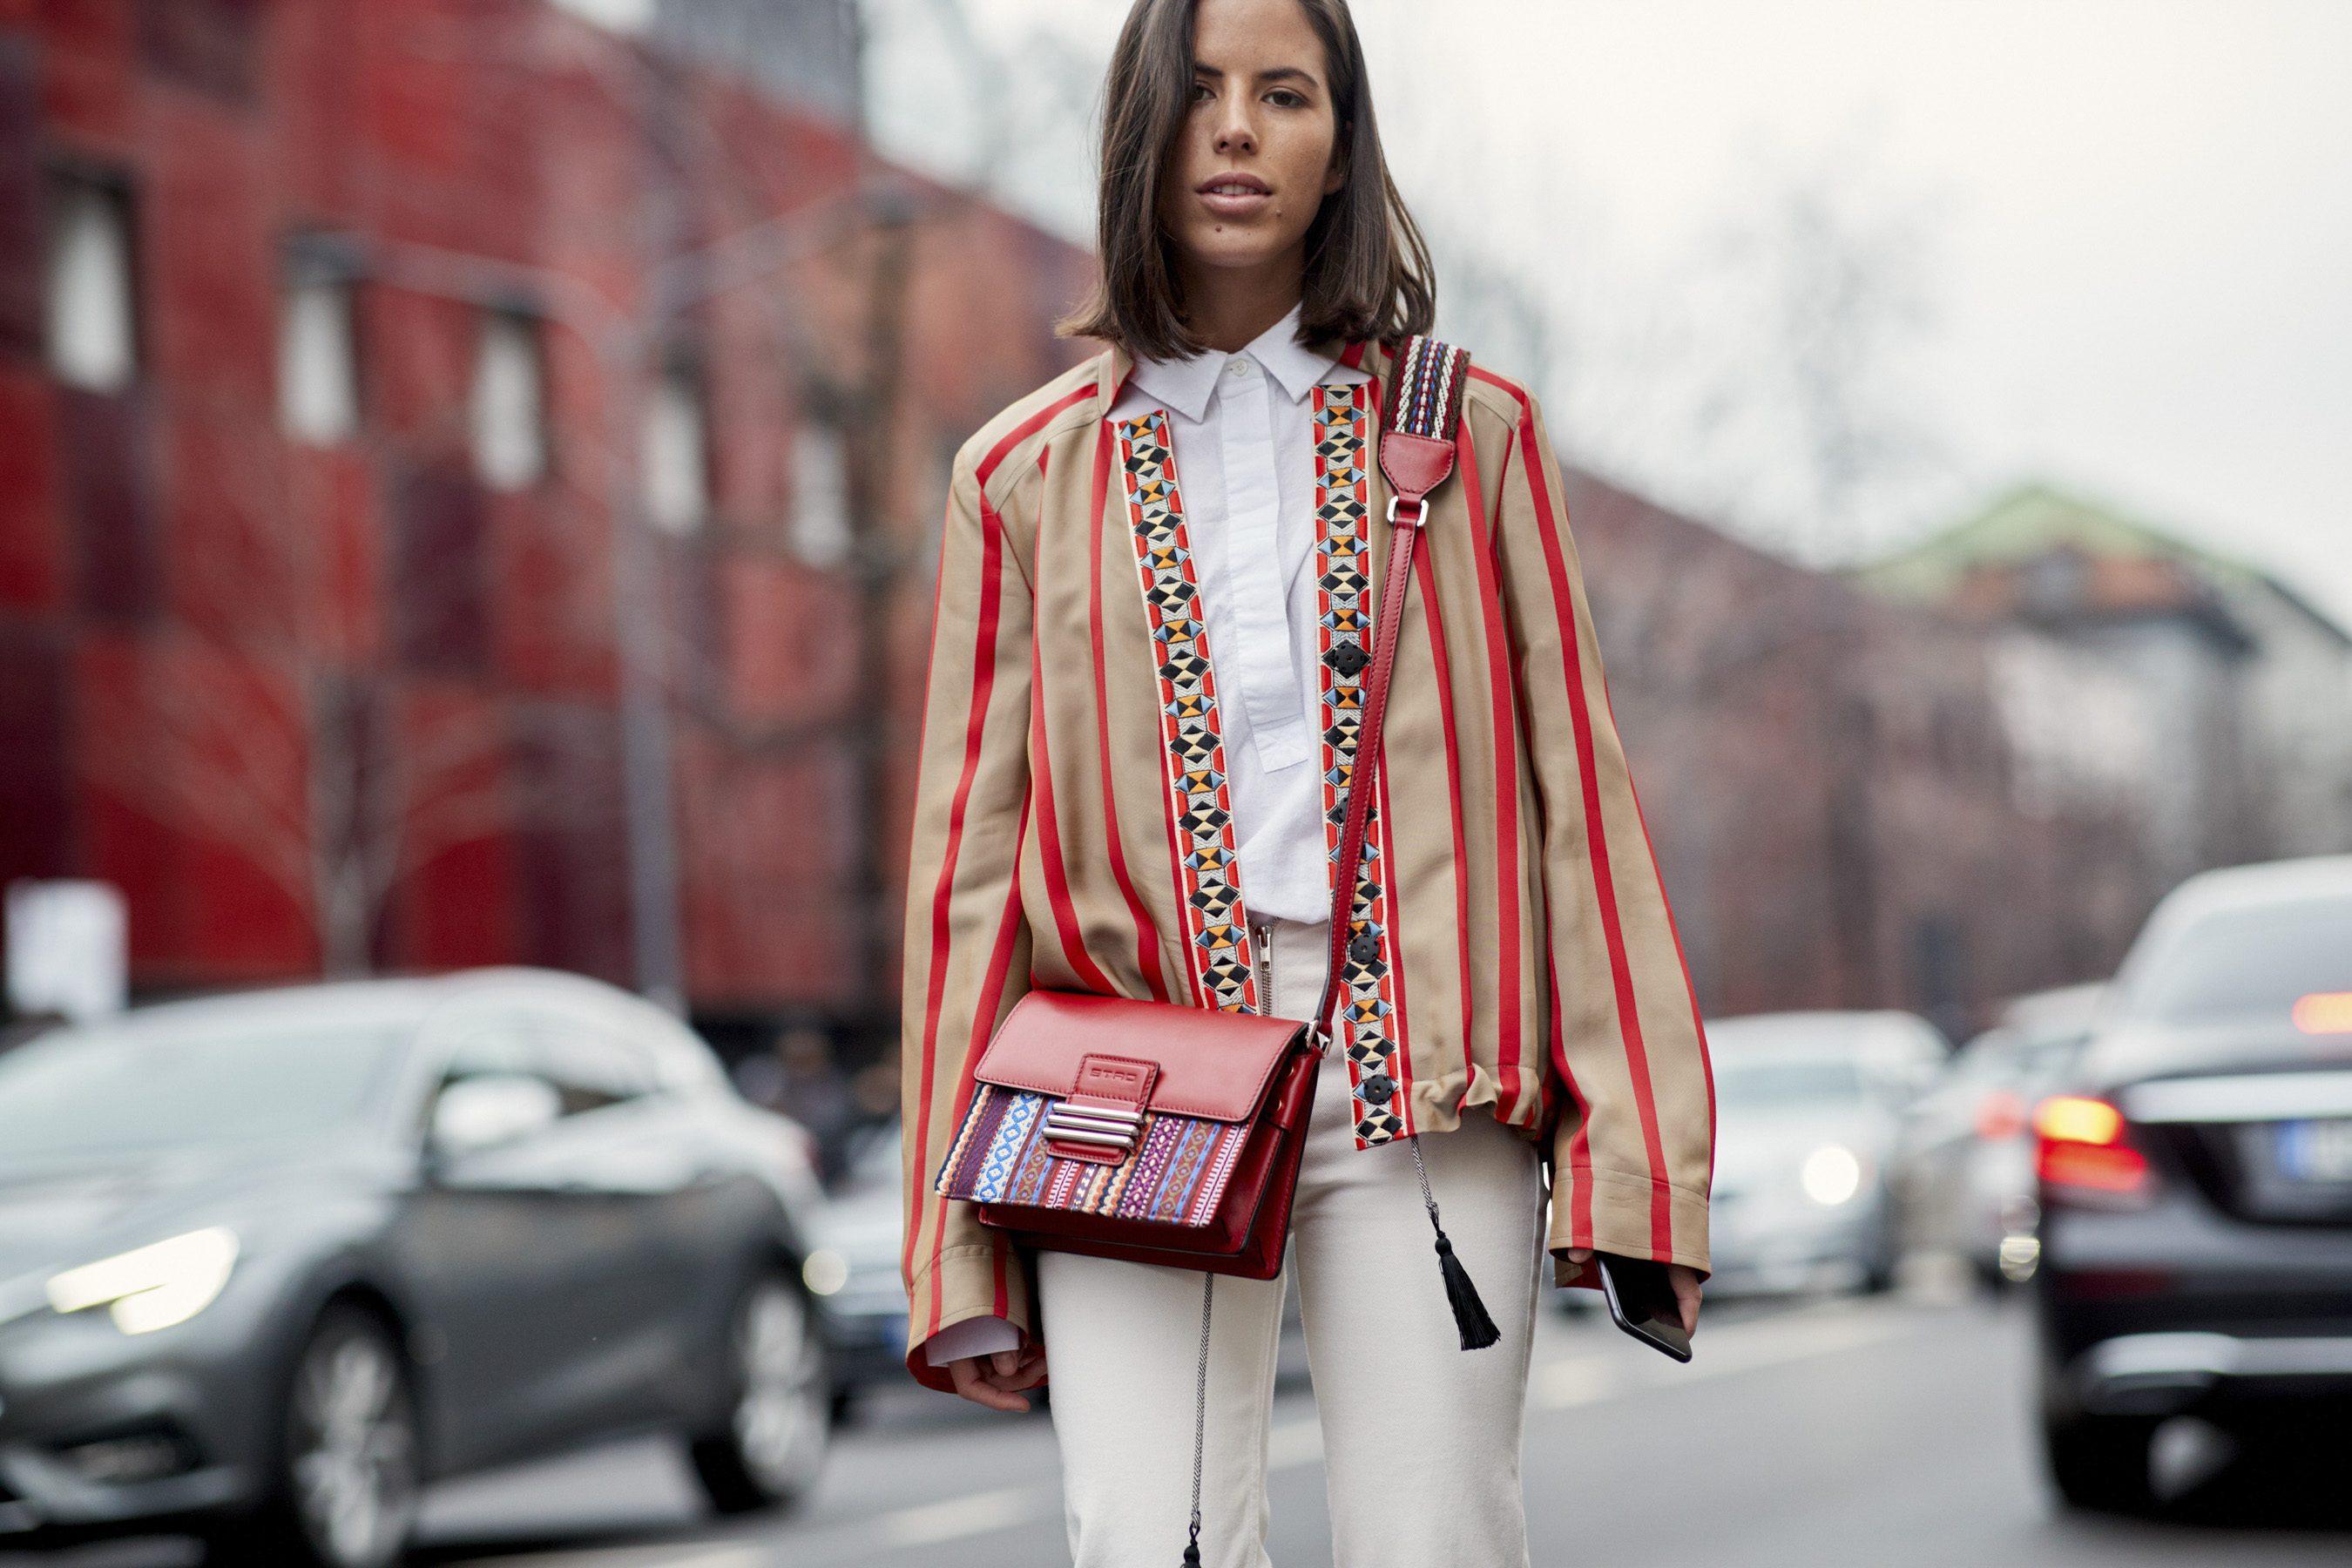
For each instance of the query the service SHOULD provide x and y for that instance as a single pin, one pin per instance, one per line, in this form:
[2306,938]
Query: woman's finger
[971,1377]
[1687,1294]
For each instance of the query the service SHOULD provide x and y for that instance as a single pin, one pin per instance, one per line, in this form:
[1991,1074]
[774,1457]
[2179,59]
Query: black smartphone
[1641,1302]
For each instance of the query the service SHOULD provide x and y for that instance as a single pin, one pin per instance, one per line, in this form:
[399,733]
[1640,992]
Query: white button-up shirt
[1241,426]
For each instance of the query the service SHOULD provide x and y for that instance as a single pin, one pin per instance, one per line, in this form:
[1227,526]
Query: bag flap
[1213,1065]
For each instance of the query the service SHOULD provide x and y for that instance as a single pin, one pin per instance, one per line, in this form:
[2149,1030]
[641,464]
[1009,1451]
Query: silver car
[853,1267]
[1808,1106]
[1964,1167]
[270,1263]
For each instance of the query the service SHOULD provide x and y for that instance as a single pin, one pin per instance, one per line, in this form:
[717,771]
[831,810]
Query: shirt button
[1237,365]
[1379,1088]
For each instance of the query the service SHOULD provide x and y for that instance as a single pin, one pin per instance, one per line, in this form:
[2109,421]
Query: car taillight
[2080,1143]
[2324,1013]
[2000,1116]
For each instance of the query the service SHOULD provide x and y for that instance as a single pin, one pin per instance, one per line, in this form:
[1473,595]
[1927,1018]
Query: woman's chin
[1237,250]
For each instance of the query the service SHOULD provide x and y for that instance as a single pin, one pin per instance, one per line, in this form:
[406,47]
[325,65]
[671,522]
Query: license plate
[2315,1151]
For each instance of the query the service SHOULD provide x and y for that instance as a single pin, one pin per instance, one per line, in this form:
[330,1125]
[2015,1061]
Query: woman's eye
[1284,98]
[1202,92]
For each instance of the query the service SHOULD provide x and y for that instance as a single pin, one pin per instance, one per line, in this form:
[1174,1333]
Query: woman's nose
[1235,135]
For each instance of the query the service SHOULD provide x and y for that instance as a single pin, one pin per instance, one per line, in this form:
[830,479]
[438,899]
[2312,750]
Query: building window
[507,407]
[675,457]
[93,338]
[821,495]
[318,362]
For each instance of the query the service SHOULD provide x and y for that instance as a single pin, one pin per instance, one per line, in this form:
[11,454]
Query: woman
[1531,1006]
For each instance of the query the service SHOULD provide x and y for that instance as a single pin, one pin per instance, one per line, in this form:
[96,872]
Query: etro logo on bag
[1116,1077]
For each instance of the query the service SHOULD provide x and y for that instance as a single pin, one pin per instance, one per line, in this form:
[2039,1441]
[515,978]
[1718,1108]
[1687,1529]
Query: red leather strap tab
[1415,465]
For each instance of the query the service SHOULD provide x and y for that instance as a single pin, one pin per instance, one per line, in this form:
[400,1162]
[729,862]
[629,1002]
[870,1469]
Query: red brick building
[337,354]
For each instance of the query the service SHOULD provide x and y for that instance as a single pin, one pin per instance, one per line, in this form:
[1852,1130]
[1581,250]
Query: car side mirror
[477,1113]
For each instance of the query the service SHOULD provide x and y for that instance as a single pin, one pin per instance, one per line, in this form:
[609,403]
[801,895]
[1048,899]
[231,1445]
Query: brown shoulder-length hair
[1368,269]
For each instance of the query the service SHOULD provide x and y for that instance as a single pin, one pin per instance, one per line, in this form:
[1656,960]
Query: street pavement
[1890,1431]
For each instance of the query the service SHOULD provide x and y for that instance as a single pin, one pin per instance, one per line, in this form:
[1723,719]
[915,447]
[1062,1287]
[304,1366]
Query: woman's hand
[1683,1278]
[996,1380]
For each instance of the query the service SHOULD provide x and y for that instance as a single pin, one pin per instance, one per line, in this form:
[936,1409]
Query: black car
[269,1262]
[2197,1195]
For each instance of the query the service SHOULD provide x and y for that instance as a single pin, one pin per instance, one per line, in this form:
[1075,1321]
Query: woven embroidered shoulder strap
[1421,411]
[1426,398]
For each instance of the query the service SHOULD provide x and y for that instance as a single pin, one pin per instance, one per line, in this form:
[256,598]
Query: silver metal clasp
[1420,512]
[1095,1126]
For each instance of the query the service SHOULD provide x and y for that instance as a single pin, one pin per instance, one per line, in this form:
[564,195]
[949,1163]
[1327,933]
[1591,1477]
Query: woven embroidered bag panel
[1136,1130]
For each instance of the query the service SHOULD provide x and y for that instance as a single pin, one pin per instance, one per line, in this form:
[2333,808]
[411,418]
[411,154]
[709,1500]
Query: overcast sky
[2119,235]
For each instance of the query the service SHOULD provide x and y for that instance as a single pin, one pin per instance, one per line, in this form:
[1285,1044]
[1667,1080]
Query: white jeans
[1421,1438]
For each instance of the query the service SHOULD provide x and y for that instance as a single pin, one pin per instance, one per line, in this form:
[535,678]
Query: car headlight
[151,1287]
[1832,1174]
[824,1273]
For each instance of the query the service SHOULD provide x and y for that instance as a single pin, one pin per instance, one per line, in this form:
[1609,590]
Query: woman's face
[1258,152]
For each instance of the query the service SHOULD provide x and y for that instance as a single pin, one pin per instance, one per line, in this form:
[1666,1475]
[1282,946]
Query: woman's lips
[1234,195]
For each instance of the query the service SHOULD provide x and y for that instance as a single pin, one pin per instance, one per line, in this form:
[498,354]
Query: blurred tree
[1826,282]
[1001,106]
[335,786]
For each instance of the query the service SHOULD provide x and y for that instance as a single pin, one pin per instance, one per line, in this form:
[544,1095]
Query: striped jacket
[1069,831]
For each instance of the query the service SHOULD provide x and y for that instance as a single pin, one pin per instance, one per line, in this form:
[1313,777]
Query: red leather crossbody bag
[1163,1134]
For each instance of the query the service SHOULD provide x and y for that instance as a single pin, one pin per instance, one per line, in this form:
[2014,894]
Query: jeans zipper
[1263,936]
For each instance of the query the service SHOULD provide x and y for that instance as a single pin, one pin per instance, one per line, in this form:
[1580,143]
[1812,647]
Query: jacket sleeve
[1634,1150]
[967,945]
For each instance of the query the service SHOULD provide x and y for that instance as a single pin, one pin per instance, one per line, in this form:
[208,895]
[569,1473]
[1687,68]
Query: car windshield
[2246,961]
[1779,1086]
[132,1091]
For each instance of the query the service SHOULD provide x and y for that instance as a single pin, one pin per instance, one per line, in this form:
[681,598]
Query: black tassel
[1192,1550]
[1479,1330]
[1470,1319]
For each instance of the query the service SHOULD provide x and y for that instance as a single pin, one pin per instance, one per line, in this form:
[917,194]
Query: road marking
[1736,1348]
[927,1524]
[1564,1384]
[707,1556]
[978,1513]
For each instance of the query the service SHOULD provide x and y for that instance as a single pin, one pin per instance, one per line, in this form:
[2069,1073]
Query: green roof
[2023,524]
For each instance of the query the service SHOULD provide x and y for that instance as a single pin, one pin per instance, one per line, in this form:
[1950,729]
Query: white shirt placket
[1262,665]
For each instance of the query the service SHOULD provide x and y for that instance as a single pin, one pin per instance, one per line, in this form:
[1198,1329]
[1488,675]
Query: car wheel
[2100,1461]
[780,1423]
[346,1490]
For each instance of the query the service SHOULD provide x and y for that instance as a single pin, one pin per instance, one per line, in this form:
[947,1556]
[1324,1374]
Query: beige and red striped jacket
[1532,969]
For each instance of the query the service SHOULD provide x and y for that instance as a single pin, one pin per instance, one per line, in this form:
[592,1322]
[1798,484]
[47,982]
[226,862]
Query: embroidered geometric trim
[1216,935]
[1370,1023]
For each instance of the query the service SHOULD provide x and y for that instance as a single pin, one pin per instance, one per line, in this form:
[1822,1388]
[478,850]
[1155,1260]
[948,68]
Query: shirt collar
[1186,385]
[1298,369]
